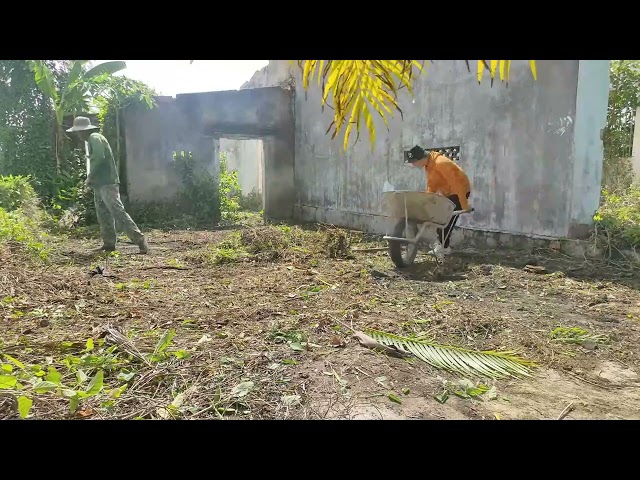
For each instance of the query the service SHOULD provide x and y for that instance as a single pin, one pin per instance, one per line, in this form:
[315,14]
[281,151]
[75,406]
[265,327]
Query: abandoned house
[532,149]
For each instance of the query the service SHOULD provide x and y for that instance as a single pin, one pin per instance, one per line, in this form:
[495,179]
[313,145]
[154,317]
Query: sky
[169,77]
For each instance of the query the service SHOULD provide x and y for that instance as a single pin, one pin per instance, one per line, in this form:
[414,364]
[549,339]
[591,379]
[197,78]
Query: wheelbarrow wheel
[403,254]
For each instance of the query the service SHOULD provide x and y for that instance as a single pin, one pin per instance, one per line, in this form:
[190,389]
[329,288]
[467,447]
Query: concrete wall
[151,137]
[533,151]
[592,100]
[247,156]
[251,113]
[196,122]
[265,113]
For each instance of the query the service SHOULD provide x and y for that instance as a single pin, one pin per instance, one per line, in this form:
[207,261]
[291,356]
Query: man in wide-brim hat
[102,176]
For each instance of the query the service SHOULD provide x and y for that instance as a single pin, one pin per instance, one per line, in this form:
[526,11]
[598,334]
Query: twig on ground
[567,410]
[371,249]
[164,267]
[118,338]
[344,325]
[595,384]
[129,416]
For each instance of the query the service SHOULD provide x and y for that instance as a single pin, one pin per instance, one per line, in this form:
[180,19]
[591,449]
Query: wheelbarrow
[417,216]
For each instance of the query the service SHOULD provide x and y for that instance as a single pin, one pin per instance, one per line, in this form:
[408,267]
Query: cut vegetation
[261,322]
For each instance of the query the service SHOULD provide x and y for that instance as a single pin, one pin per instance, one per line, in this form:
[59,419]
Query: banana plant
[74,95]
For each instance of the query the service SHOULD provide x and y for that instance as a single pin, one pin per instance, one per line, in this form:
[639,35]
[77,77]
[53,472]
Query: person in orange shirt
[444,177]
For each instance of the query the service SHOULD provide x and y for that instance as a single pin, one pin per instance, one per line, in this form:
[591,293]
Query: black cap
[415,154]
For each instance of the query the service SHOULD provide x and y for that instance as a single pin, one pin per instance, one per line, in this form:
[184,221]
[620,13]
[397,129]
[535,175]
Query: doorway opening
[246,157]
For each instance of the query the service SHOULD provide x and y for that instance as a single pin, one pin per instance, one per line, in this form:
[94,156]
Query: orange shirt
[445,177]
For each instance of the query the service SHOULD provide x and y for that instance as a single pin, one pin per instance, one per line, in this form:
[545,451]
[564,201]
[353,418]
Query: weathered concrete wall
[250,113]
[592,100]
[279,179]
[532,151]
[265,113]
[151,137]
[196,122]
[247,156]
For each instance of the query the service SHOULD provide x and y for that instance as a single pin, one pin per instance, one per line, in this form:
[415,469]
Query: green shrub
[201,200]
[618,218]
[19,228]
[229,250]
[71,202]
[229,191]
[16,192]
[196,196]
[251,202]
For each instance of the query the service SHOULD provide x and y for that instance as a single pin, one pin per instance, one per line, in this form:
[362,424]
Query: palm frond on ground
[492,364]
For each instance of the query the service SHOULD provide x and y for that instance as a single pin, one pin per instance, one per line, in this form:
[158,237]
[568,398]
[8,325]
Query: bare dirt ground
[268,335]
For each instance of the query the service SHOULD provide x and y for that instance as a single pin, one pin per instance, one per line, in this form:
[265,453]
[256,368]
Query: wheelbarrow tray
[421,207]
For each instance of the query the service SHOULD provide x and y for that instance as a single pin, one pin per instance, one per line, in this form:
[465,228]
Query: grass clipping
[490,363]
[275,243]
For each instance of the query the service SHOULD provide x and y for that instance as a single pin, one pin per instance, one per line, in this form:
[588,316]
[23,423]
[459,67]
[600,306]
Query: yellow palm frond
[358,86]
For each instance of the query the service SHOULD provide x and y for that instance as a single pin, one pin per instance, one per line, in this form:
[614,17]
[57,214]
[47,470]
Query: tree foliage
[618,218]
[624,99]
[35,98]
[16,192]
[26,125]
[358,88]
[72,96]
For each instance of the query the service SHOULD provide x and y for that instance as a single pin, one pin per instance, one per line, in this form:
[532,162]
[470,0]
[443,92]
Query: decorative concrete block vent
[452,152]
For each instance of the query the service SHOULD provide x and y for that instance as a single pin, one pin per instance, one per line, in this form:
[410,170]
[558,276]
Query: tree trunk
[118,140]
[59,148]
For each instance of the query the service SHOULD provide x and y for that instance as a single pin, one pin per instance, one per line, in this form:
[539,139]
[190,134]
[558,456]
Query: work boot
[144,246]
[105,248]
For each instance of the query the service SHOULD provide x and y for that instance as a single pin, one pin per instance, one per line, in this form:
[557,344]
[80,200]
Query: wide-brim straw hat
[82,123]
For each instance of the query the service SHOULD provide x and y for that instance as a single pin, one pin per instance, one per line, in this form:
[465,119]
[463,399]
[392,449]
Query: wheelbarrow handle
[459,212]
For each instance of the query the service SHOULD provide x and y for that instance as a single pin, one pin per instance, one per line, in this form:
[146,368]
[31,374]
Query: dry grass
[260,317]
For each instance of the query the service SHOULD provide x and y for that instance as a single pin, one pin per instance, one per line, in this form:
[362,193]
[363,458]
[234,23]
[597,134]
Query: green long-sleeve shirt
[101,166]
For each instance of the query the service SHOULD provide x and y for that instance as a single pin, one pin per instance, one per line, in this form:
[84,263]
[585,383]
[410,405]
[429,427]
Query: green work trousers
[109,209]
